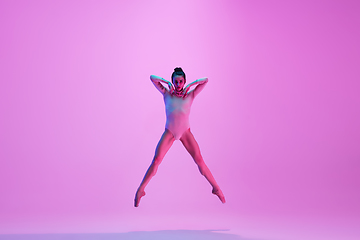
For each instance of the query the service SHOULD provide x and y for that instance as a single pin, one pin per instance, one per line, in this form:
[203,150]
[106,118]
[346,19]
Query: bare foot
[138,196]
[219,193]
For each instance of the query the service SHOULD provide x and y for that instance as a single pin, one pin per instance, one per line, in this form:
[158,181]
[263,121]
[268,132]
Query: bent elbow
[205,80]
[154,78]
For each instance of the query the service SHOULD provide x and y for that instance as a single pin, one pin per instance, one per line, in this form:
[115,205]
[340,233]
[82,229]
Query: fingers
[185,92]
[171,87]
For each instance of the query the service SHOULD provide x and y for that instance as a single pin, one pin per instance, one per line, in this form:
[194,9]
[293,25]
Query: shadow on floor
[141,235]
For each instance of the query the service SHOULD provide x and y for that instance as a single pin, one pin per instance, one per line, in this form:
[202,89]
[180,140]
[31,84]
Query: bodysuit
[177,113]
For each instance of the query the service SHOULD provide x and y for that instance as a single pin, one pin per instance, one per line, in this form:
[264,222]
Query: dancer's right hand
[171,87]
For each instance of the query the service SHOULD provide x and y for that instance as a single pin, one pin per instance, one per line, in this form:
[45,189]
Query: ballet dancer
[178,102]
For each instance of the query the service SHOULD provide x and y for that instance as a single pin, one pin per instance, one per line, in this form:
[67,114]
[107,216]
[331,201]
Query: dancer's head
[178,78]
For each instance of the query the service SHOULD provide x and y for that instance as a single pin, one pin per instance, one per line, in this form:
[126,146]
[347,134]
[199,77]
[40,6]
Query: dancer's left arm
[201,83]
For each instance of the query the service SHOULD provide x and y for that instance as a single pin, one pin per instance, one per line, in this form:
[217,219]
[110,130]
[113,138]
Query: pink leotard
[177,113]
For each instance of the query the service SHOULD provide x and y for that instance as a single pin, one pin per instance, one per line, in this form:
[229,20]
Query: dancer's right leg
[166,141]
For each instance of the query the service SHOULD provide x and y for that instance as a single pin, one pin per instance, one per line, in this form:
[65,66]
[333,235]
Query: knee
[201,165]
[157,160]
[202,169]
[197,158]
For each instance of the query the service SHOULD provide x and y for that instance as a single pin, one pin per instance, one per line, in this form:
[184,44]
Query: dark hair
[178,71]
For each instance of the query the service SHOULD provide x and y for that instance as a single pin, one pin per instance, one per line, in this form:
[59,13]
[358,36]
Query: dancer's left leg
[192,147]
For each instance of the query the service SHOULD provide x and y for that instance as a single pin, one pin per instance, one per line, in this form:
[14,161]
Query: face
[179,82]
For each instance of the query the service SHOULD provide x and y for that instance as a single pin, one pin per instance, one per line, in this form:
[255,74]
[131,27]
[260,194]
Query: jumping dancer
[178,102]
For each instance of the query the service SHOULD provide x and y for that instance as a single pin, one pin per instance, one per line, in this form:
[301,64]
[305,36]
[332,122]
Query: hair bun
[178,69]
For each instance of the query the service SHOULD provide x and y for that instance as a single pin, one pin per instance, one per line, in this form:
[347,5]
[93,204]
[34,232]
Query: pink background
[278,123]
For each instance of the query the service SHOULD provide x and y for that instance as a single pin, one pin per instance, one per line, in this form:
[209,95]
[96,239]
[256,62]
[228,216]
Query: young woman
[178,102]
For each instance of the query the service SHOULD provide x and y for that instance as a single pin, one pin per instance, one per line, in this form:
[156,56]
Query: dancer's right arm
[157,83]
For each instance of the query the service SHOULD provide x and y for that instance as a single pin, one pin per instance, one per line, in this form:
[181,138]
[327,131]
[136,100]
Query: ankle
[140,190]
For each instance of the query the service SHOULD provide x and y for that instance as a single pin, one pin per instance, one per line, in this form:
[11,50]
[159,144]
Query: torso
[177,113]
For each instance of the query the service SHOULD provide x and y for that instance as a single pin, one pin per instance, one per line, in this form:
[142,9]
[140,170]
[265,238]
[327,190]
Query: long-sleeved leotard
[177,113]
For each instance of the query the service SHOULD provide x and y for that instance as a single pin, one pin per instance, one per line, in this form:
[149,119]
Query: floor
[141,235]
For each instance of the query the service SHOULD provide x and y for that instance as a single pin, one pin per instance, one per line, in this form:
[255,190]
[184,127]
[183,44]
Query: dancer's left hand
[185,91]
